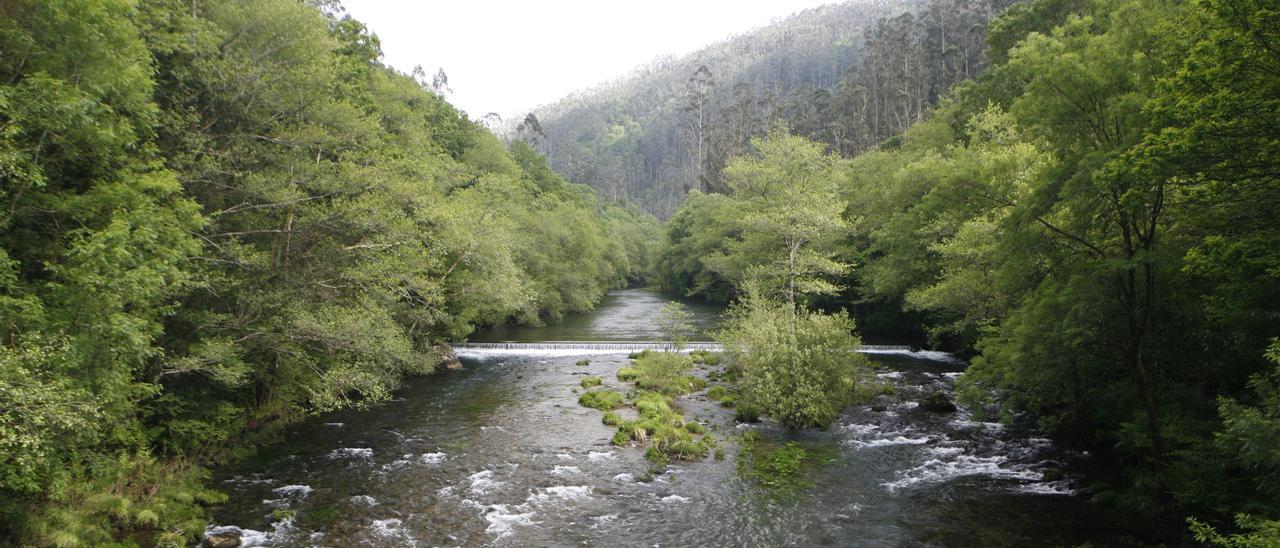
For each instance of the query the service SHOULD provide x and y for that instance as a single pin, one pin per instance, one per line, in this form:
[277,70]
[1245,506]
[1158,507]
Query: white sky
[508,56]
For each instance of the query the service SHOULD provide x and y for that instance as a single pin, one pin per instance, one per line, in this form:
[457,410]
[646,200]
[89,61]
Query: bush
[626,374]
[799,367]
[665,372]
[603,400]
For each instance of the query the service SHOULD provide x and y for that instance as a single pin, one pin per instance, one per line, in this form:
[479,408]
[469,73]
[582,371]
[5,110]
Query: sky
[511,56]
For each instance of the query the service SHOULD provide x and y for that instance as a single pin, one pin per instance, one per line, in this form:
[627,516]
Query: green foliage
[799,367]
[214,221]
[601,399]
[588,382]
[663,372]
[627,374]
[676,323]
[780,468]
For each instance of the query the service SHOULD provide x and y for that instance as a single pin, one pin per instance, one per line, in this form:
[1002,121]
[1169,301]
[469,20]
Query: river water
[501,453]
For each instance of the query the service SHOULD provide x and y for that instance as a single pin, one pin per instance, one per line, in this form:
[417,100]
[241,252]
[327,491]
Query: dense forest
[1094,220]
[219,217]
[848,75]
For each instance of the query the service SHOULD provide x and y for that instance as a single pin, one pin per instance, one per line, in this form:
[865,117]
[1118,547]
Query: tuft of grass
[603,400]
[588,382]
[627,374]
[717,393]
[781,468]
[582,363]
[611,418]
[747,413]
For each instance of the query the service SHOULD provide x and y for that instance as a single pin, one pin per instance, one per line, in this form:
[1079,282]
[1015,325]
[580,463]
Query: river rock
[1052,474]
[222,540]
[447,359]
[938,403]
[879,408]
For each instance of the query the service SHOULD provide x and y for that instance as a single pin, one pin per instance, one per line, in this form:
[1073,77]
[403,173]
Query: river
[501,453]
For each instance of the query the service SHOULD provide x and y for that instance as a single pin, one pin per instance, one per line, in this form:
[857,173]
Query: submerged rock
[1052,474]
[879,408]
[447,359]
[938,403]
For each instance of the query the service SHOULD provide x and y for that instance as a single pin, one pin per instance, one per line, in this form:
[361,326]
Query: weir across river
[623,346]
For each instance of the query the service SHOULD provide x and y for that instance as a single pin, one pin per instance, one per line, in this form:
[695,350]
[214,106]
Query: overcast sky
[510,56]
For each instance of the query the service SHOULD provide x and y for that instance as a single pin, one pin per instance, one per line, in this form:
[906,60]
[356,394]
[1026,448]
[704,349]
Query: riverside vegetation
[218,218]
[1093,220]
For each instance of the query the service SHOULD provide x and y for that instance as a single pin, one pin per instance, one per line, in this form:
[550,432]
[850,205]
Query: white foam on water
[906,405]
[565,470]
[939,470]
[601,521]
[352,453]
[502,519]
[432,458]
[624,477]
[595,456]
[858,429]
[885,442]
[334,424]
[298,491]
[1062,487]
[560,493]
[564,456]
[945,451]
[482,482]
[953,375]
[890,375]
[363,499]
[932,355]
[967,424]
[392,528]
[673,499]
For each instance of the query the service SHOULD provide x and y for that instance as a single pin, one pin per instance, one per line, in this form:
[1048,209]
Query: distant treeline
[217,217]
[847,75]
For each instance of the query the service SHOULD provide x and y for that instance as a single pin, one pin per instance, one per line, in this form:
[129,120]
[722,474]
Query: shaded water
[501,453]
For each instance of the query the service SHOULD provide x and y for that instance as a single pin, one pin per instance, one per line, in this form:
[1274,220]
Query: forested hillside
[1094,220]
[848,75]
[219,217]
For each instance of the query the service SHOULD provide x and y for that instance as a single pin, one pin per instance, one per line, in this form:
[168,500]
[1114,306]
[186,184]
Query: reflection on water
[500,453]
[625,315]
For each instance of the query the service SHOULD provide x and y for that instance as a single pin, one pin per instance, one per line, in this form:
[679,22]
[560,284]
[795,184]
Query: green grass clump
[638,355]
[747,413]
[588,382]
[728,401]
[626,374]
[583,362]
[717,393]
[778,467]
[611,418]
[705,357]
[603,400]
[666,372]
[694,428]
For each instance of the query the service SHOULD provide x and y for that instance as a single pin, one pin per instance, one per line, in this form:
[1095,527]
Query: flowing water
[501,453]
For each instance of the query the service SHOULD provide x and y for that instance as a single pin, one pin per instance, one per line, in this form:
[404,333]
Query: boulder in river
[1052,474]
[446,358]
[229,539]
[938,402]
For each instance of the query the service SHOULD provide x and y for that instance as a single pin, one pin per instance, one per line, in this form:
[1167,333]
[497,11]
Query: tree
[789,215]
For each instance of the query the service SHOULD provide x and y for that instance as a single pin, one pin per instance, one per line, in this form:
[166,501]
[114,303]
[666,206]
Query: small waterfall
[622,346]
